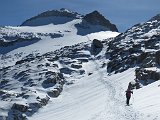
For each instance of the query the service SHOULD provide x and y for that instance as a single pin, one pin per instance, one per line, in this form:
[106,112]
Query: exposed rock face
[21,108]
[146,75]
[52,79]
[39,71]
[96,47]
[76,66]
[5,44]
[139,45]
[97,43]
[56,91]
[96,18]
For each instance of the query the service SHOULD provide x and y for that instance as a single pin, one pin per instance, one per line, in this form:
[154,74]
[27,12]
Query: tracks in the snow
[115,108]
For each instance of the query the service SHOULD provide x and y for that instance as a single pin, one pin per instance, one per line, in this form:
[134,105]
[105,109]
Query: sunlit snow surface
[101,97]
[98,96]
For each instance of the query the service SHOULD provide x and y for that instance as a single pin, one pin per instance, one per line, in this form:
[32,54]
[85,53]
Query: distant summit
[63,16]
[96,18]
[54,16]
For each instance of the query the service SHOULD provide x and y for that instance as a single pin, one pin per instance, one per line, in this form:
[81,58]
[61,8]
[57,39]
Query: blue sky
[123,13]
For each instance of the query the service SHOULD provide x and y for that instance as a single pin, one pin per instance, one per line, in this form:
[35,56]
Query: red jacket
[128,93]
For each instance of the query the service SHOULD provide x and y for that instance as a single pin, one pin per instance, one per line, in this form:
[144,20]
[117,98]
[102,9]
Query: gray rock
[76,66]
[96,47]
[54,93]
[82,59]
[19,107]
[97,43]
[96,18]
[145,75]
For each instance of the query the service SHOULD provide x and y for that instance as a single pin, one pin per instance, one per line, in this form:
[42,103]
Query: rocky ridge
[54,13]
[138,47]
[42,74]
[95,18]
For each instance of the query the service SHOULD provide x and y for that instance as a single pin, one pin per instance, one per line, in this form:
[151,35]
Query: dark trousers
[127,101]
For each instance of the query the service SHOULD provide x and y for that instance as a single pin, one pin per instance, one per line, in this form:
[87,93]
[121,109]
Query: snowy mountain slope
[17,42]
[32,74]
[63,16]
[51,37]
[94,97]
[148,102]
[67,74]
[139,48]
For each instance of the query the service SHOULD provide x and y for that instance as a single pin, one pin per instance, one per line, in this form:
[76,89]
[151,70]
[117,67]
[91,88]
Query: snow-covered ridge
[12,38]
[33,74]
[54,16]
[32,81]
[135,46]
[63,16]
[138,47]
[65,63]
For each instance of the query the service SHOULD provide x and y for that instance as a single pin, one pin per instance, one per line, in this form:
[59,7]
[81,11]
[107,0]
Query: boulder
[98,44]
[82,60]
[19,107]
[96,47]
[44,101]
[66,70]
[145,75]
[54,93]
[76,66]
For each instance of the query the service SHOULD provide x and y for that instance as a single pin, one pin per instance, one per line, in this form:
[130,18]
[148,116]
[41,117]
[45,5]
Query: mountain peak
[96,12]
[65,10]
[96,18]
[52,16]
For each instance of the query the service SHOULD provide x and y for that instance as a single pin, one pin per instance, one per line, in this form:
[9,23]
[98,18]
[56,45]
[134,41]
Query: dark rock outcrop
[56,91]
[96,47]
[97,43]
[76,66]
[19,107]
[138,46]
[96,18]
[52,79]
[145,75]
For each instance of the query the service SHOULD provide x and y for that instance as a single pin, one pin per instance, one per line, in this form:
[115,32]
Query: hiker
[128,95]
